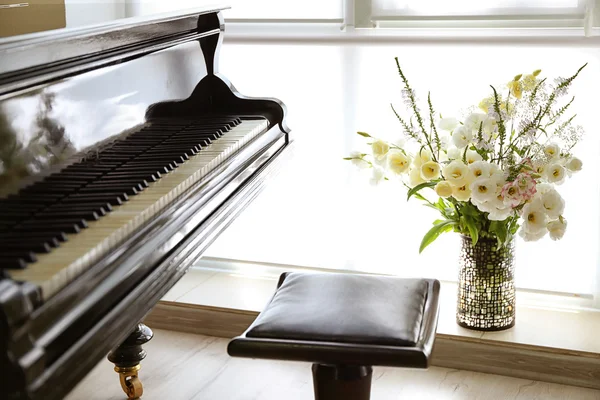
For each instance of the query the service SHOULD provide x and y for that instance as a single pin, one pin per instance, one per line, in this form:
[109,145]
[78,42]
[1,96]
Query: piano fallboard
[78,109]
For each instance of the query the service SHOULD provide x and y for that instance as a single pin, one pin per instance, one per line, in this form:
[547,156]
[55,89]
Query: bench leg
[340,382]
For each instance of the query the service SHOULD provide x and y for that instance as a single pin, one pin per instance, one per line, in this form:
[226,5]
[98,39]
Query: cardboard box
[18,17]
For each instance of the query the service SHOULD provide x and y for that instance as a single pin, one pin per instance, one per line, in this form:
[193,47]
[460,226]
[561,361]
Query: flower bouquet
[494,175]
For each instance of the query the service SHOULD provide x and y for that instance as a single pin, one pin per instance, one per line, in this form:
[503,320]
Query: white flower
[543,188]
[461,137]
[454,153]
[422,157]
[496,172]
[380,149]
[483,189]
[532,237]
[475,120]
[377,176]
[357,160]
[443,189]
[552,151]
[481,168]
[457,173]
[448,124]
[574,164]
[473,156]
[500,214]
[539,167]
[461,193]
[430,170]
[553,203]
[415,177]
[555,173]
[534,217]
[398,162]
[557,228]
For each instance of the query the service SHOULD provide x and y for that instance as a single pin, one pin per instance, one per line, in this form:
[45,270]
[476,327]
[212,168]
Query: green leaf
[419,187]
[434,232]
[500,229]
[364,134]
[470,210]
[473,231]
[420,197]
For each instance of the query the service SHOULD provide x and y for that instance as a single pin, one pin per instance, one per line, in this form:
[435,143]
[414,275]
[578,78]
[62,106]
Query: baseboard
[540,363]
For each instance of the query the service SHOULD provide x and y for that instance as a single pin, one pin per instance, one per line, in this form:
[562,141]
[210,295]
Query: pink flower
[511,194]
[526,185]
[519,191]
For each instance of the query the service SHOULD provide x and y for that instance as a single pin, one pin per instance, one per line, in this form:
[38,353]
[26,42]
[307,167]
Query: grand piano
[123,155]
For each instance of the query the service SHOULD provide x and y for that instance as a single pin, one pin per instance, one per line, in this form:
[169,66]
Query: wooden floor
[184,366]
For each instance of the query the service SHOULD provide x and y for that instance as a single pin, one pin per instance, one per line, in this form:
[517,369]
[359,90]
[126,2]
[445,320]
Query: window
[477,8]
[320,212]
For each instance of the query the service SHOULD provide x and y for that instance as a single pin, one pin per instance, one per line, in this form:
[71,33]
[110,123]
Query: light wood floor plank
[182,366]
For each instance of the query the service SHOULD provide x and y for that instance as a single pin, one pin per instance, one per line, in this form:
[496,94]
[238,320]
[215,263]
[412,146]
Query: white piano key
[56,269]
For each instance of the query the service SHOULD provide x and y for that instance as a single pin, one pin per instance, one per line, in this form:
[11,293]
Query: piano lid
[81,87]
[21,56]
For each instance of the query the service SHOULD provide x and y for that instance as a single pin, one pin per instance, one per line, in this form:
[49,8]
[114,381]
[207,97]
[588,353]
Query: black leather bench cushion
[346,308]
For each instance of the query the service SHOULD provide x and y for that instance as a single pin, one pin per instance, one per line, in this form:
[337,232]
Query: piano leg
[127,359]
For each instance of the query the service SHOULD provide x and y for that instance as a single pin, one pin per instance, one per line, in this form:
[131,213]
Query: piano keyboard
[96,205]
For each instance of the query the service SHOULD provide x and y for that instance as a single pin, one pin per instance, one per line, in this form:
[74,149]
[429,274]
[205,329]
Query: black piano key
[44,189]
[145,176]
[210,136]
[129,189]
[62,214]
[34,198]
[74,171]
[180,159]
[20,236]
[118,183]
[50,241]
[132,169]
[80,222]
[149,163]
[112,197]
[15,213]
[117,159]
[52,237]
[215,125]
[195,144]
[101,208]
[163,168]
[69,226]
[28,256]
[26,245]
[12,262]
[71,177]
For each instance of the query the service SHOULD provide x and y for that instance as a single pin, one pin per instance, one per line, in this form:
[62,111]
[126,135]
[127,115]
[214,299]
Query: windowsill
[543,320]
[336,32]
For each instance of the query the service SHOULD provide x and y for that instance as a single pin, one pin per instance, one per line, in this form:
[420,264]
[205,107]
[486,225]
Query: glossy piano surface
[56,114]
[47,126]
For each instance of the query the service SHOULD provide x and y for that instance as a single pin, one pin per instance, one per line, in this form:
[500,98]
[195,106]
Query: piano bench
[345,324]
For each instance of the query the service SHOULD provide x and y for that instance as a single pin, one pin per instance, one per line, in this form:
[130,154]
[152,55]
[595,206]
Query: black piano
[123,154]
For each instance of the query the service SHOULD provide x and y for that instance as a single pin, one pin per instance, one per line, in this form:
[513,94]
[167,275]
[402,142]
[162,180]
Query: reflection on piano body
[123,154]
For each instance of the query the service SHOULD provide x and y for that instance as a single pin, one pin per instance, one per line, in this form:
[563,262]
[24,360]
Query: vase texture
[486,286]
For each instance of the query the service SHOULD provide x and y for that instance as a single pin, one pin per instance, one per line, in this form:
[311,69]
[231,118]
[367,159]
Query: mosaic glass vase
[486,286]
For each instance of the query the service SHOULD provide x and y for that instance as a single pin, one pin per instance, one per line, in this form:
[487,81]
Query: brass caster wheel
[131,384]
